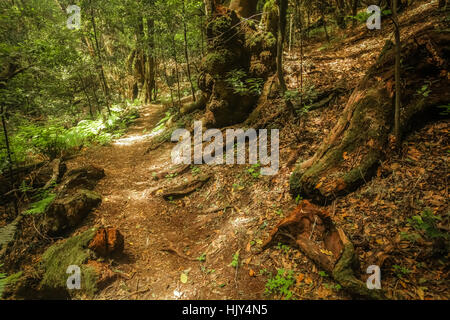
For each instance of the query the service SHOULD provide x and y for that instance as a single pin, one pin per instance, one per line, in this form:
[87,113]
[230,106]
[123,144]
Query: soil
[198,235]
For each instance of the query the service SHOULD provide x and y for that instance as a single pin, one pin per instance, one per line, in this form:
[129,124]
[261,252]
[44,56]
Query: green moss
[270,6]
[60,256]
[343,273]
[269,41]
[220,25]
[270,16]
[216,62]
[8,281]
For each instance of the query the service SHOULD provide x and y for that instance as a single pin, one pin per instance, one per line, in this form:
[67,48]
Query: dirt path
[150,224]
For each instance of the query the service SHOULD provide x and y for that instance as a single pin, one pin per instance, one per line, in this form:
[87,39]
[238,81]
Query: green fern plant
[7,280]
[40,206]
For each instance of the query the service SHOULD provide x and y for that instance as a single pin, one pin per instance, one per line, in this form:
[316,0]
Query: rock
[106,242]
[48,280]
[68,211]
[55,261]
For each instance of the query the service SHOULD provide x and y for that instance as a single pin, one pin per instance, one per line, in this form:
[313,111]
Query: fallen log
[315,234]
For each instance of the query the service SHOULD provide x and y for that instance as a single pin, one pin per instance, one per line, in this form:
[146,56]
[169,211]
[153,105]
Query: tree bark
[244,8]
[186,53]
[8,152]
[100,60]
[398,91]
[236,48]
[350,155]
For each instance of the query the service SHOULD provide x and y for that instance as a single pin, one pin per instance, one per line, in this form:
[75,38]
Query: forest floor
[183,249]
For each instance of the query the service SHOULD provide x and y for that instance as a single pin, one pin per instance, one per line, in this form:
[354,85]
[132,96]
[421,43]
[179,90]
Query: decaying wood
[58,170]
[328,248]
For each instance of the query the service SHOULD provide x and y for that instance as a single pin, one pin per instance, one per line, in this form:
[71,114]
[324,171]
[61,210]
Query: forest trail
[162,239]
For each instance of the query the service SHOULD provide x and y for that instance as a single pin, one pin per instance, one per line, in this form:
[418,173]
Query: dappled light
[240,150]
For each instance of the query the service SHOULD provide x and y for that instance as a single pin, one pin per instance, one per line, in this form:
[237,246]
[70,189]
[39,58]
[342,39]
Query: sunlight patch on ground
[128,141]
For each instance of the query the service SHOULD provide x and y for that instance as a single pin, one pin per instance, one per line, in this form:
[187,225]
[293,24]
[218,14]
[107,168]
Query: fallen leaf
[183,278]
[327,252]
[300,278]
[420,293]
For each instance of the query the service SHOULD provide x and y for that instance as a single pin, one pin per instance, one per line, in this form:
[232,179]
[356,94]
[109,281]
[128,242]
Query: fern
[7,281]
[8,232]
[41,205]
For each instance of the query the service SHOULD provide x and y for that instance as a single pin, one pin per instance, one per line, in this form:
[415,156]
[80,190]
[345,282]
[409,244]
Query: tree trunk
[398,91]
[354,12]
[350,155]
[8,152]
[186,53]
[282,4]
[250,54]
[210,8]
[100,61]
[244,8]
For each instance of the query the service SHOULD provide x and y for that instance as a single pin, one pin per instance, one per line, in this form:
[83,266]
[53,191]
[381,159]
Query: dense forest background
[352,105]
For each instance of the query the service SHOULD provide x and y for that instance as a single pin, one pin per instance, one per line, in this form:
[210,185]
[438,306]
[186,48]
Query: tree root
[185,188]
[326,245]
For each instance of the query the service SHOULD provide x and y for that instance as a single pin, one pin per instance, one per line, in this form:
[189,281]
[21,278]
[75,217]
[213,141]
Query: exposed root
[185,188]
[329,249]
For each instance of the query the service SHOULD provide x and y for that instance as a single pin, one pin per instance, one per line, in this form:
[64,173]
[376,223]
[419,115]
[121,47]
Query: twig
[314,226]
[138,291]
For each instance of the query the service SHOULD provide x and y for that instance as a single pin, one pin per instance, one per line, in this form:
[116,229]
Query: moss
[220,25]
[344,274]
[270,16]
[60,256]
[254,40]
[270,41]
[218,61]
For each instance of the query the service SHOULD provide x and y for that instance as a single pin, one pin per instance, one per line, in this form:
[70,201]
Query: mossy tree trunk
[362,137]
[240,58]
[142,63]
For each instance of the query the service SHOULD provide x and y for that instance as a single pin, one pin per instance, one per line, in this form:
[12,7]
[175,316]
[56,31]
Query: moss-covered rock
[59,257]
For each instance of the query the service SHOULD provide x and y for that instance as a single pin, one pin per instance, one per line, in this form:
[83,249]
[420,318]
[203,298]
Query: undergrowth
[281,283]
[53,138]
